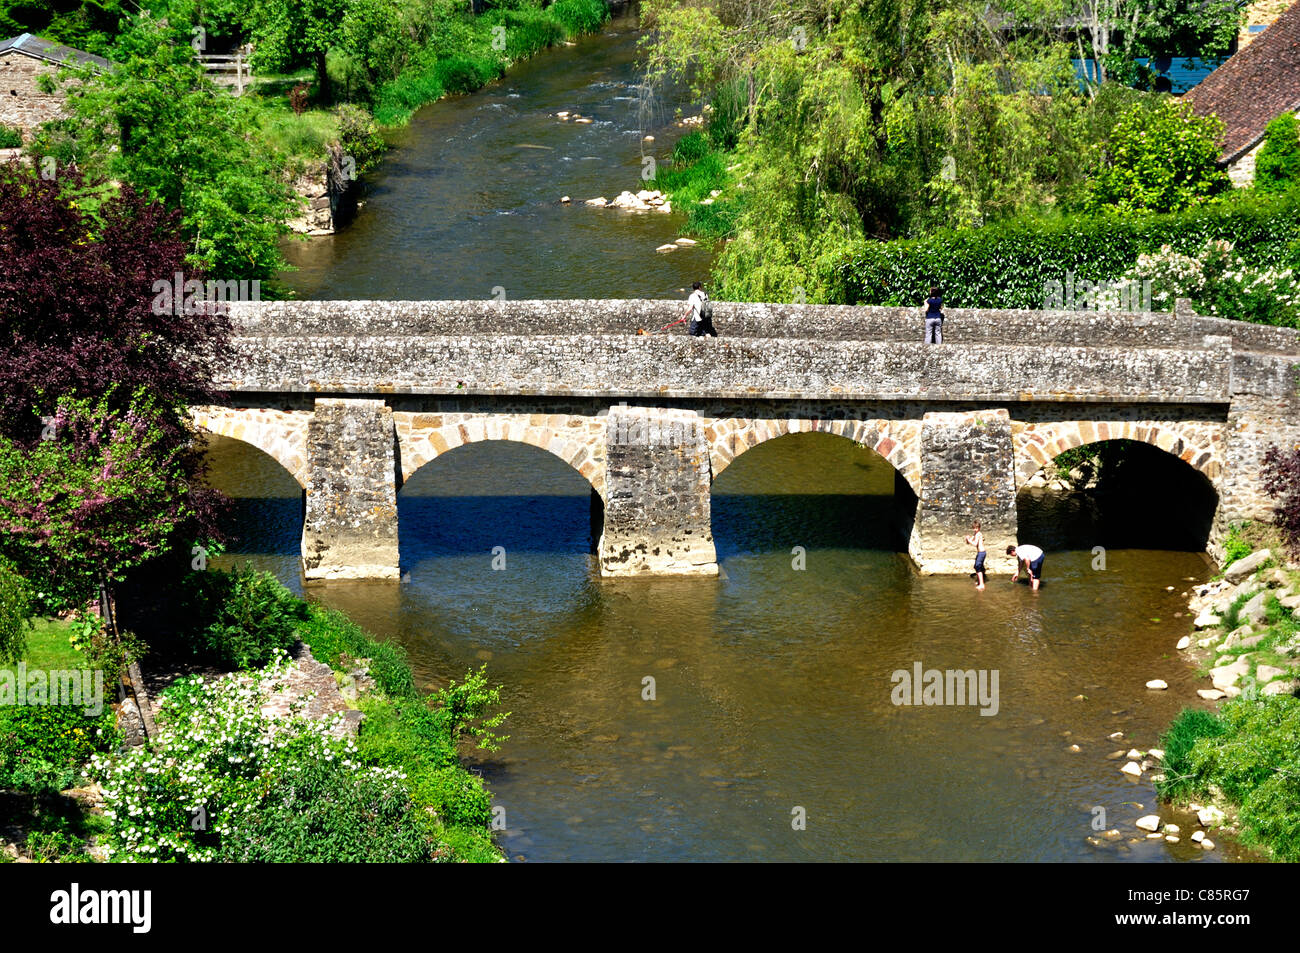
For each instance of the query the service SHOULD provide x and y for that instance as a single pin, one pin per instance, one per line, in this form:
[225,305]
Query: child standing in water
[976,539]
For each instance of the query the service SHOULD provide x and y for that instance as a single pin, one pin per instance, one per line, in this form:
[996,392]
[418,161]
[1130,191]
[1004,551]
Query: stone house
[23,61]
[1256,85]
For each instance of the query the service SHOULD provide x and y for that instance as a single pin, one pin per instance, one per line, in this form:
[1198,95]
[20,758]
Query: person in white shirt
[1032,558]
[699,325]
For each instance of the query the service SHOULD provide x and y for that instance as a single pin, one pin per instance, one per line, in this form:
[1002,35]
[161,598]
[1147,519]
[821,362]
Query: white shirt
[1028,552]
[696,301]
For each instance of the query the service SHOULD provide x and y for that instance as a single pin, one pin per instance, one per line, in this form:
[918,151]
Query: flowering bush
[223,779]
[1220,283]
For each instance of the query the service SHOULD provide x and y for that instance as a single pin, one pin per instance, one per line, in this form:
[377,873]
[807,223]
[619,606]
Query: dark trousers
[702,327]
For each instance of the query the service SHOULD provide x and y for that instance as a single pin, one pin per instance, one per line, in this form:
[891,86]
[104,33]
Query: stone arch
[280,434]
[1199,445]
[577,440]
[898,441]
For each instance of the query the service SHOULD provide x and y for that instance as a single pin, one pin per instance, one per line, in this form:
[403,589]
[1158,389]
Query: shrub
[325,812]
[1221,283]
[43,747]
[1282,483]
[359,137]
[10,137]
[1159,157]
[224,781]
[15,613]
[1190,726]
[419,741]
[238,618]
[579,16]
[331,634]
[1277,167]
[1012,264]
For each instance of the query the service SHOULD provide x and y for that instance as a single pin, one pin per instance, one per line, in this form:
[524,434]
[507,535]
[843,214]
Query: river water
[772,733]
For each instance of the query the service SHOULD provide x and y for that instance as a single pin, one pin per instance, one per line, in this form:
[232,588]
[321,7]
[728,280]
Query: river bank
[376,764]
[1234,766]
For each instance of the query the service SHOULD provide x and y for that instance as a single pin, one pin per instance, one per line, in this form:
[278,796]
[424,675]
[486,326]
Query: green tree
[159,123]
[1277,167]
[1160,157]
[287,32]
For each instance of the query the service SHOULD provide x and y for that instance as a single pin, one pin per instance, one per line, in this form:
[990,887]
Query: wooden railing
[231,69]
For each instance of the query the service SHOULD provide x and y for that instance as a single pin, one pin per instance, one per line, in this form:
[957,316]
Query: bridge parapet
[698,368]
[1085,328]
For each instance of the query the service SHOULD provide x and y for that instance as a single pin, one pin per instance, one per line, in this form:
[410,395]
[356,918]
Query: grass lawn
[48,647]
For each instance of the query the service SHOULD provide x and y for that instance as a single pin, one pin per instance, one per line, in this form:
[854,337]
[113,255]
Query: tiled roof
[1259,83]
[52,52]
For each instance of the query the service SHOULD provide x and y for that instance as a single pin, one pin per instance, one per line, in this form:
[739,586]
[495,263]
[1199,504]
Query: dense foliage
[838,125]
[1282,482]
[160,124]
[1219,282]
[103,495]
[236,619]
[1159,157]
[97,468]
[43,747]
[222,779]
[1247,752]
[1277,167]
[1010,265]
[15,612]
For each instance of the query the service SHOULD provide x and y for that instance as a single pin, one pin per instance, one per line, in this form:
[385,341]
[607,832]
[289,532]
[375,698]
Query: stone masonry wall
[816,322]
[657,507]
[1265,412]
[662,367]
[22,103]
[967,474]
[350,530]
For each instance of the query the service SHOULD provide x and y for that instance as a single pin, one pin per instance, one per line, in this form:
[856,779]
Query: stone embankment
[1250,652]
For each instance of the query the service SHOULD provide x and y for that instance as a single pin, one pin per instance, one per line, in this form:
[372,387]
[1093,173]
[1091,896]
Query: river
[772,733]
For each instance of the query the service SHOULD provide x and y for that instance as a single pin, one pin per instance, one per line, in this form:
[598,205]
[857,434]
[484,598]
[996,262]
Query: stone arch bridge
[353,397]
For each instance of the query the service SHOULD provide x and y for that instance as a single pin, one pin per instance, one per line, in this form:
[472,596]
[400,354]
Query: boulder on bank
[1246,565]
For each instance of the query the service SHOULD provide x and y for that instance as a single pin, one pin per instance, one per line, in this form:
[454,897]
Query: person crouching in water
[700,311]
[976,539]
[1031,557]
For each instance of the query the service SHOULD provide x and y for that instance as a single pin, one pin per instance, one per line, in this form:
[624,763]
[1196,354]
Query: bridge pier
[967,474]
[350,529]
[657,482]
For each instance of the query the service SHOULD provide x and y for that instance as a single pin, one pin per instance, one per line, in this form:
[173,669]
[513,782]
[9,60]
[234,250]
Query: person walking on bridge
[934,317]
[700,311]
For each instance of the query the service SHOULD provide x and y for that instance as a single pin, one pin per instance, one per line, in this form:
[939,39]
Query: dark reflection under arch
[266,502]
[495,493]
[1145,498]
[815,490]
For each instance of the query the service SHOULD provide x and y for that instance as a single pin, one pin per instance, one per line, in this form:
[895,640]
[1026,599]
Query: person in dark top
[934,318]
